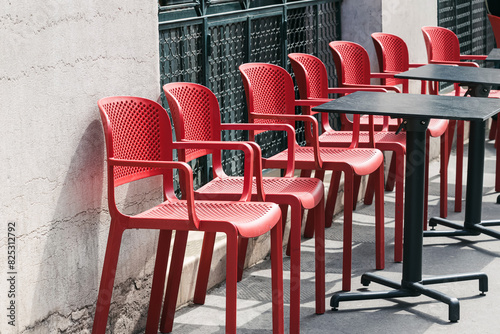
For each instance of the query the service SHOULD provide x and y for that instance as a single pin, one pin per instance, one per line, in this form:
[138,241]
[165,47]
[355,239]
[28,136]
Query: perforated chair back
[135,129]
[267,88]
[495,25]
[392,54]
[442,44]
[195,114]
[351,63]
[310,75]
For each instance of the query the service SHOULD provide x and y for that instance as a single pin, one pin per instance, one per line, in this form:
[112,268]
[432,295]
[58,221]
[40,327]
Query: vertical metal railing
[467,19]
[204,41]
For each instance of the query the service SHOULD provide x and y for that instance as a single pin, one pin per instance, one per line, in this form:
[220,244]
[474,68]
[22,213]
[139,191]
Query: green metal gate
[467,19]
[204,41]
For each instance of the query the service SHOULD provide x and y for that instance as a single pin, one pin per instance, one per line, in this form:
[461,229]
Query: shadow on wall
[69,274]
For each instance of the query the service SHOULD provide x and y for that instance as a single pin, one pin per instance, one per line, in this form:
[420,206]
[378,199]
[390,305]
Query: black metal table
[416,110]
[478,81]
[494,55]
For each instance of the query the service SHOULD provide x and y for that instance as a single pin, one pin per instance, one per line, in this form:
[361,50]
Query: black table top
[494,55]
[414,106]
[460,74]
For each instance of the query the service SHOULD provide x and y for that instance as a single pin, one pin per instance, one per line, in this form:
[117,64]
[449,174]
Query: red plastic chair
[443,48]
[196,116]
[495,25]
[312,80]
[392,54]
[361,79]
[139,145]
[271,100]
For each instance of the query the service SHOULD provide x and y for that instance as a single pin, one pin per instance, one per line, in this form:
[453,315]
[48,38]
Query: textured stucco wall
[57,59]
[360,18]
[404,19]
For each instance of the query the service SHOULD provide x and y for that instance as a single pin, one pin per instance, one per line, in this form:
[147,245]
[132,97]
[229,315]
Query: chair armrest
[290,167]
[311,102]
[456,63]
[300,118]
[181,166]
[473,57]
[413,65]
[345,90]
[383,75]
[391,88]
[224,145]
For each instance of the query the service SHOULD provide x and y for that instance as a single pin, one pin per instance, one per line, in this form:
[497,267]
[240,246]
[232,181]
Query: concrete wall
[57,59]
[404,19]
[361,18]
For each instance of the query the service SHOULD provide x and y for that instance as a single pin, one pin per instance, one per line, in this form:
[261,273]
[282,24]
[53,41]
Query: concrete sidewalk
[441,256]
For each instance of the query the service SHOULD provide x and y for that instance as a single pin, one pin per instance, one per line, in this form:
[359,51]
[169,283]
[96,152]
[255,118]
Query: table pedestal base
[462,230]
[412,289]
[474,194]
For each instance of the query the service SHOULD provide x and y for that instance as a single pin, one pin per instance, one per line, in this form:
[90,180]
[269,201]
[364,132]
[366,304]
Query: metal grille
[468,20]
[205,41]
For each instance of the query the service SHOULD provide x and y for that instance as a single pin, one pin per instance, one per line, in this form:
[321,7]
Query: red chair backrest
[195,114]
[135,129]
[392,54]
[495,25]
[310,75]
[312,79]
[351,63]
[269,89]
[442,44]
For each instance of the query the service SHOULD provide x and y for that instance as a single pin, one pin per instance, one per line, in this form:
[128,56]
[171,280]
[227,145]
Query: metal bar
[474,192]
[414,199]
[370,277]
[482,277]
[453,304]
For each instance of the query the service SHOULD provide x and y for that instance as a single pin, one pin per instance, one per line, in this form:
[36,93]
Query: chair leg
[347,235]
[399,211]
[319,251]
[158,284]
[309,229]
[231,280]
[277,279]
[460,166]
[295,265]
[493,129]
[242,255]
[451,132]
[207,250]
[426,183]
[379,220]
[370,190]
[173,282]
[443,177]
[391,176]
[107,279]
[357,184]
[331,199]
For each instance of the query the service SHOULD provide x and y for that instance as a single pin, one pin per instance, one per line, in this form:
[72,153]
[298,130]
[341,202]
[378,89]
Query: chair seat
[437,127]
[250,218]
[362,161]
[308,190]
[343,138]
